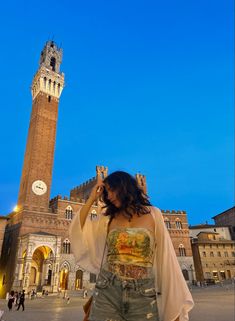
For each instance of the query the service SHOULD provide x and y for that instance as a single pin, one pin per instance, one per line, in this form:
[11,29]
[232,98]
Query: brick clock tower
[33,231]
[46,89]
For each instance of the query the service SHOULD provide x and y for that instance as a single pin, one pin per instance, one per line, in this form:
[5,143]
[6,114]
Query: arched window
[49,275]
[185,274]
[49,84]
[58,89]
[66,247]
[168,223]
[178,224]
[92,278]
[53,63]
[69,212]
[45,82]
[182,251]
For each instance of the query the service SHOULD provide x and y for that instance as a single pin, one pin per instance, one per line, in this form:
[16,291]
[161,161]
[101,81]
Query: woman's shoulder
[155,211]
[157,215]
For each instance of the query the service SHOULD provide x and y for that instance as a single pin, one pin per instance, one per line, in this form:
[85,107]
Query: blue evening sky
[149,89]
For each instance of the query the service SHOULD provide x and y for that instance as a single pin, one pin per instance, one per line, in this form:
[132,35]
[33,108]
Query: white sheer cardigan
[174,298]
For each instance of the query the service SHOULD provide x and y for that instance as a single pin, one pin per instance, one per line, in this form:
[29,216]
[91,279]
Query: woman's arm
[95,193]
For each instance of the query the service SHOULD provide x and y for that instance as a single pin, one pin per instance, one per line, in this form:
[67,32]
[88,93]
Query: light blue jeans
[117,299]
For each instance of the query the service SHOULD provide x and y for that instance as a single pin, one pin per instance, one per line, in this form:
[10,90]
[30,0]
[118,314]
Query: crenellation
[173,212]
[141,180]
[101,171]
[83,190]
[84,184]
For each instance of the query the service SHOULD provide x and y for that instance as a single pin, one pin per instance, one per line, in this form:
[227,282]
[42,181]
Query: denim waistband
[131,283]
[129,271]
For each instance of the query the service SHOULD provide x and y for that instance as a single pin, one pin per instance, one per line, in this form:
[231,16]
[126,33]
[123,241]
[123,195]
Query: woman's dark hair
[131,196]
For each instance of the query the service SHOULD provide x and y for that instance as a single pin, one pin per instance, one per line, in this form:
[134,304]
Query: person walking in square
[11,299]
[21,300]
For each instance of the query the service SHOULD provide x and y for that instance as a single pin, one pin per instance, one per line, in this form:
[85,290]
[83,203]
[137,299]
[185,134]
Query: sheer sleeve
[88,242]
[175,299]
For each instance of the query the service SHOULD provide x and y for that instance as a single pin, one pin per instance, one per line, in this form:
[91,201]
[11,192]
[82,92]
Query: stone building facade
[213,254]
[36,250]
[226,218]
[223,231]
[177,225]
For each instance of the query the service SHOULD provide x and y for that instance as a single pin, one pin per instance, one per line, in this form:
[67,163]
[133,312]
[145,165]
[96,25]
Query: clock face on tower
[39,187]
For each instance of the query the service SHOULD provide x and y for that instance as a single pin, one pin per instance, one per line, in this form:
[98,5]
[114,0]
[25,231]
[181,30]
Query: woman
[10,300]
[140,278]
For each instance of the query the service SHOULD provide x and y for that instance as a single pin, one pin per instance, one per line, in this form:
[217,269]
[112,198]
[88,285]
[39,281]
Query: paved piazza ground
[212,304]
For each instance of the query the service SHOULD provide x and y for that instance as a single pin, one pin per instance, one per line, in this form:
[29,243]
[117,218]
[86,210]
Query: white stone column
[26,272]
[55,279]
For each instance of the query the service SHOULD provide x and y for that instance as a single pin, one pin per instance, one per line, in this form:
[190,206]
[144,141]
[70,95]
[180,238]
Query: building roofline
[208,233]
[196,227]
[201,226]
[232,208]
[196,241]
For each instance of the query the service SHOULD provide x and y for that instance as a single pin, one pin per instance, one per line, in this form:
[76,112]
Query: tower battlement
[51,56]
[48,78]
[101,171]
[174,212]
[82,191]
[141,180]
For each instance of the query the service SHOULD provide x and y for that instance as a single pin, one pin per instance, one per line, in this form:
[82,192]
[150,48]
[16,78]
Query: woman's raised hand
[97,190]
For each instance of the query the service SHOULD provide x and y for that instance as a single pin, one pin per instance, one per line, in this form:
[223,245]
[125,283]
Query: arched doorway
[185,274]
[64,276]
[33,275]
[78,280]
[64,279]
[40,266]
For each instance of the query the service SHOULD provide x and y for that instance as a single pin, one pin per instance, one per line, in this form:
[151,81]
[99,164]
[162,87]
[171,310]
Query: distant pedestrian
[16,297]
[21,300]
[10,300]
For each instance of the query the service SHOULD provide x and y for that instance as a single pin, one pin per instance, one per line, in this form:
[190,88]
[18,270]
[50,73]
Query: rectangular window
[92,278]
